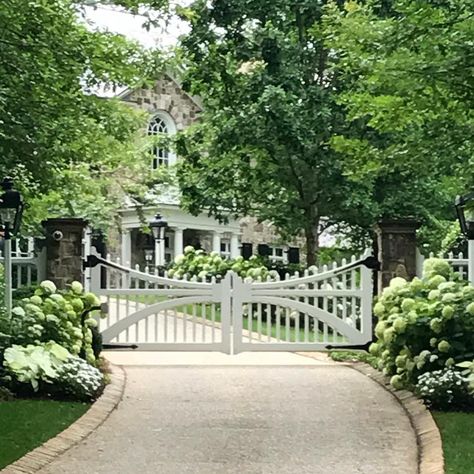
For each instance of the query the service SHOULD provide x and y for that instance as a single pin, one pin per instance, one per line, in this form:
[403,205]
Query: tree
[70,151]
[413,81]
[275,140]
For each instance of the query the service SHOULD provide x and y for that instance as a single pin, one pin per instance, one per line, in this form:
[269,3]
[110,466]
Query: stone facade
[64,250]
[166,95]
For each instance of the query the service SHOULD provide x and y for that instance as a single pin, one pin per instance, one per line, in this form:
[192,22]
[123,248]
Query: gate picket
[300,313]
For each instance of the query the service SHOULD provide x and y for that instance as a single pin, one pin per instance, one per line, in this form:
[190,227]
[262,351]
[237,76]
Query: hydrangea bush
[196,263]
[52,315]
[424,325]
[445,389]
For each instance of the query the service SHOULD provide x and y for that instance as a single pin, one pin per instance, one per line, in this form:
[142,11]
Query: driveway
[294,416]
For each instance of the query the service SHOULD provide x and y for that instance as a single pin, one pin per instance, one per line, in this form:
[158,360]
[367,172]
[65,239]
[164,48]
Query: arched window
[161,124]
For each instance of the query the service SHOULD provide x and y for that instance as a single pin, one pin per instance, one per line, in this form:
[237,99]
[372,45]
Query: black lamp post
[11,210]
[158,228]
[465,211]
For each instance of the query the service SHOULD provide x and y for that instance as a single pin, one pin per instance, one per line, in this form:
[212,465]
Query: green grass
[26,424]
[457,432]
[292,335]
[353,356]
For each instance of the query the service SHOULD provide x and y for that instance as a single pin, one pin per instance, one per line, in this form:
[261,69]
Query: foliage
[51,315]
[444,389]
[352,356]
[35,364]
[69,150]
[469,373]
[458,438]
[196,263]
[263,144]
[27,424]
[79,380]
[411,81]
[424,325]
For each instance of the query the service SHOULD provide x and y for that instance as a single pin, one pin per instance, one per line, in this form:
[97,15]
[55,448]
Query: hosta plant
[468,372]
[34,364]
[424,325]
[198,264]
[52,315]
[445,389]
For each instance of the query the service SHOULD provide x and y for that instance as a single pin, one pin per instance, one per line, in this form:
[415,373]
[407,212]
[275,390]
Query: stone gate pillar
[396,242]
[64,250]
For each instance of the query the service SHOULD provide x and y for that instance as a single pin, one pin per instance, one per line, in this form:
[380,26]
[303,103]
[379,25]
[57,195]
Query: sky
[112,19]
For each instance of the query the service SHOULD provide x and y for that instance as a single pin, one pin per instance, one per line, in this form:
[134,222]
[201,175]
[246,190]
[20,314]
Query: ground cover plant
[26,424]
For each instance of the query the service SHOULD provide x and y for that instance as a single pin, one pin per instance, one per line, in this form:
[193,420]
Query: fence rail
[461,263]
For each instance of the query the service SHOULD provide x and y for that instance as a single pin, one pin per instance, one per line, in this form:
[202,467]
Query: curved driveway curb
[80,429]
[430,447]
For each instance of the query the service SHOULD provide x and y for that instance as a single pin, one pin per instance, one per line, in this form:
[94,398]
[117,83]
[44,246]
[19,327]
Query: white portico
[183,229]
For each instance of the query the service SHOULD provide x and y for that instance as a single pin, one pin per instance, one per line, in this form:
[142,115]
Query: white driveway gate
[314,312]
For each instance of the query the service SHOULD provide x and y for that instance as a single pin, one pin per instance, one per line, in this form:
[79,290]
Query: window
[277,254]
[225,249]
[161,124]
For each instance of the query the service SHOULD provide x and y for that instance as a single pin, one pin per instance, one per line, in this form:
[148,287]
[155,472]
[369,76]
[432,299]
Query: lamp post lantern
[11,210]
[158,227]
[465,212]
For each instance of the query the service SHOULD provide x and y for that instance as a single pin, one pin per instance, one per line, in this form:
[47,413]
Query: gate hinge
[90,262]
[371,263]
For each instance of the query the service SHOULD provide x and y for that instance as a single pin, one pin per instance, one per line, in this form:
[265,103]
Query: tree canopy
[70,151]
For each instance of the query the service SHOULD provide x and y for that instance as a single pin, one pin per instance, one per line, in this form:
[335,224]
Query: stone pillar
[64,250]
[216,241]
[126,255]
[178,241]
[396,242]
[234,246]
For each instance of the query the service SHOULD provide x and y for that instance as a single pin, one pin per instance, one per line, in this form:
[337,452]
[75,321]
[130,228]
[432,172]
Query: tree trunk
[312,242]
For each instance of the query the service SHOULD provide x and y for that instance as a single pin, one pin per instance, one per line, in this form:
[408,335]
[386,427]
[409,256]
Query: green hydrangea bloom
[448,312]
[399,325]
[35,299]
[416,284]
[450,362]
[436,266]
[77,288]
[470,309]
[436,281]
[388,335]
[379,309]
[374,348]
[397,282]
[444,346]
[380,328]
[397,382]
[436,325]
[400,361]
[408,304]
[48,287]
[434,295]
[448,298]
[433,342]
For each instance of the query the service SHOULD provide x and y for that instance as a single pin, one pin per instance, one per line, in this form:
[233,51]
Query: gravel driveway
[207,419]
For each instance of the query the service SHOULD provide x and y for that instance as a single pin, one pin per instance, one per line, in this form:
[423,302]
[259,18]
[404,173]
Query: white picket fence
[461,263]
[25,264]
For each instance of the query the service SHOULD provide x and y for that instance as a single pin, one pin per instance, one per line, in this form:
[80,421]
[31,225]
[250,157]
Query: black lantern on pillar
[11,208]
[465,211]
[158,227]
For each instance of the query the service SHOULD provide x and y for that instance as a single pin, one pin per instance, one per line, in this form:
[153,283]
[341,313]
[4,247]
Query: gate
[309,313]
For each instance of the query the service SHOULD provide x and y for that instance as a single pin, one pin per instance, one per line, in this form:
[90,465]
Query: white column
[234,246]
[159,252]
[470,256]
[178,241]
[126,247]
[216,241]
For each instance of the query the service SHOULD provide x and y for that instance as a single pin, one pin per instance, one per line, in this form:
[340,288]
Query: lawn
[26,424]
[458,441]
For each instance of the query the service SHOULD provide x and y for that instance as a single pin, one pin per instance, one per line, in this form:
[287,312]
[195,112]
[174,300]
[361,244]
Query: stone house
[171,109]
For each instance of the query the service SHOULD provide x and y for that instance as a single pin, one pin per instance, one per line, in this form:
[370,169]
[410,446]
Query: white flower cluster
[442,388]
[78,378]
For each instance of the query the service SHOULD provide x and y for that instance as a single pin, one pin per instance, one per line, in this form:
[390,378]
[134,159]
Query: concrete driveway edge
[79,430]
[430,447]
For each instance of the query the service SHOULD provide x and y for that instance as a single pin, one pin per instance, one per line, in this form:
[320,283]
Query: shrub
[468,372]
[444,389]
[51,315]
[424,325]
[79,380]
[196,263]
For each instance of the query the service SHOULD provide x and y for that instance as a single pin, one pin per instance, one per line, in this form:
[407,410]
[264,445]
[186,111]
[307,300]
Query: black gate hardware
[362,347]
[93,260]
[120,346]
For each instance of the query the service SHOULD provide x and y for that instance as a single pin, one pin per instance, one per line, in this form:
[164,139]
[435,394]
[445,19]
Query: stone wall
[166,95]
